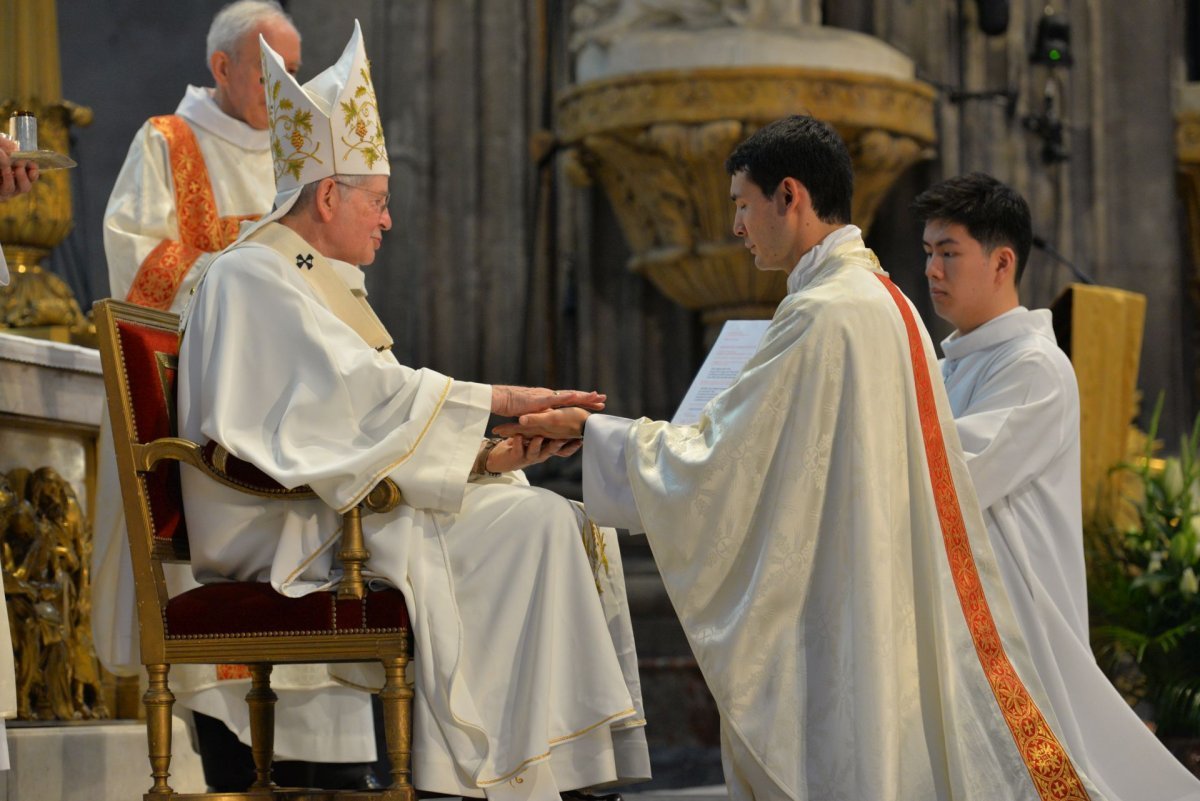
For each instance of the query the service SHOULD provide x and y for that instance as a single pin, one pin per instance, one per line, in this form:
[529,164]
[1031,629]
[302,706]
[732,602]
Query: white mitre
[329,126]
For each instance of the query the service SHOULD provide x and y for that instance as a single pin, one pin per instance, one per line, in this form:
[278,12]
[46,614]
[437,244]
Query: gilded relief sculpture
[46,557]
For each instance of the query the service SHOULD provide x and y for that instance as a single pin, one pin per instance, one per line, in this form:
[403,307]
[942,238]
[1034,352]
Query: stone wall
[498,269]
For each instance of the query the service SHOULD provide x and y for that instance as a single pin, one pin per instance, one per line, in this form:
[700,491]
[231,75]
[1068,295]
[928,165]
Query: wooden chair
[238,622]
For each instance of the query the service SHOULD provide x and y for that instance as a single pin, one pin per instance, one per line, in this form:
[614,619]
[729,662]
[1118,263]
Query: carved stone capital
[657,143]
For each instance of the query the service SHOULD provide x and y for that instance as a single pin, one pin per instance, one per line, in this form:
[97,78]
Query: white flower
[1173,478]
[1156,560]
[1188,583]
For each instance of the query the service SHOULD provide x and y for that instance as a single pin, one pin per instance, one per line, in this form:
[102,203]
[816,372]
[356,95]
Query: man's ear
[788,191]
[218,65]
[327,199]
[1005,262]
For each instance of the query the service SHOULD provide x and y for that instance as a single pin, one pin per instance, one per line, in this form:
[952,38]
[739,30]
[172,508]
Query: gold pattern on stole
[1049,766]
[201,228]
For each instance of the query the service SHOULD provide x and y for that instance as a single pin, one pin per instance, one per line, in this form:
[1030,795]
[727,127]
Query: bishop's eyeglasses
[381,203]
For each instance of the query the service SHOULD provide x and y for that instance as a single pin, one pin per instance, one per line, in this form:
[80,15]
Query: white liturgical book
[735,345]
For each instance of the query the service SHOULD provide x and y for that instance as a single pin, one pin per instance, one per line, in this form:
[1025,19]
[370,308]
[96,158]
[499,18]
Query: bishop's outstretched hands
[516,401]
[519,450]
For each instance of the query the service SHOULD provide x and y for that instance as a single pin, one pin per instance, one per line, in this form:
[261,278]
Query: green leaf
[285,104]
[1183,546]
[360,91]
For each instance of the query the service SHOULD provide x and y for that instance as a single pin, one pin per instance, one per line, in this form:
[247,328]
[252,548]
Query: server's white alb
[1016,407]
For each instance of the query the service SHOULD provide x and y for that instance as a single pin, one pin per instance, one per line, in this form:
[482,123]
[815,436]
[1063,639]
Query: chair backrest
[139,350]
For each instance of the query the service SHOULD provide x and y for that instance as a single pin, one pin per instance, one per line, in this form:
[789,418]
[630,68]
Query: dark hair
[805,149]
[993,214]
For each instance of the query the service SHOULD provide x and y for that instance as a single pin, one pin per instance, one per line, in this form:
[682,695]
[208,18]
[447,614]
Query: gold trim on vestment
[597,554]
[554,742]
[326,545]
[358,496]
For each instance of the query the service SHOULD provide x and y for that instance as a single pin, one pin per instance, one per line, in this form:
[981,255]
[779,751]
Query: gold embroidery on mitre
[296,132]
[361,117]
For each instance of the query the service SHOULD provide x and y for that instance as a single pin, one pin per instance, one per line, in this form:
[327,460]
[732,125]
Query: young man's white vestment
[1016,408]
[520,683]
[822,546]
[141,216]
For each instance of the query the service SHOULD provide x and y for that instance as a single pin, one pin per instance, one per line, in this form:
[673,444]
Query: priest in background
[16,178]
[526,676]
[190,179]
[818,534]
[1016,408]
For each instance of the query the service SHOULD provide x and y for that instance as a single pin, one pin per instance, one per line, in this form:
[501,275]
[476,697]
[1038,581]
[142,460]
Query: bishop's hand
[516,401]
[553,424]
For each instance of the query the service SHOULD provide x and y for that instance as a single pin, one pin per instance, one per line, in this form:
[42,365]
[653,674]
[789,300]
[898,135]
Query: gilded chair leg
[397,722]
[159,701]
[261,700]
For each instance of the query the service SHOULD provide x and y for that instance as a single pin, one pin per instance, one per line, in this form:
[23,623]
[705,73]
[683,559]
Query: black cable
[1048,249]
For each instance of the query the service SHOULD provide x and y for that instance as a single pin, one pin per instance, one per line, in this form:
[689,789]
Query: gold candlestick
[37,302]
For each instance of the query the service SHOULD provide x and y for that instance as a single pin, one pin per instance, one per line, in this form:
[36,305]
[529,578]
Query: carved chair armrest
[219,465]
[214,462]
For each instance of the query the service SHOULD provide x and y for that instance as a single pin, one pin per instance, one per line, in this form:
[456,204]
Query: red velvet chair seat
[255,608]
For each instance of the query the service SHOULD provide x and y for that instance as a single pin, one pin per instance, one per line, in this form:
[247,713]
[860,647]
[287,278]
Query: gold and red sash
[1049,766]
[201,228]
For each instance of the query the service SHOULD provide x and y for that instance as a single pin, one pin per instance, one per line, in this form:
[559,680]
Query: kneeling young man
[1016,408]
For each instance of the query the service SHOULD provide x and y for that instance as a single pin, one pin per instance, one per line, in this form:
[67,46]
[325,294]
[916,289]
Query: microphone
[1048,249]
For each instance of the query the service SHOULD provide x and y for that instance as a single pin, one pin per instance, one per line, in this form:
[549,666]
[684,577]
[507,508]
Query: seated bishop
[525,671]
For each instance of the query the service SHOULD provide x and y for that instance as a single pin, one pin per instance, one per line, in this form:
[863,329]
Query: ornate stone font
[656,143]
[666,88]
[603,22]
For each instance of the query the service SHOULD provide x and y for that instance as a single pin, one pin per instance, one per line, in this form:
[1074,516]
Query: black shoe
[582,795]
